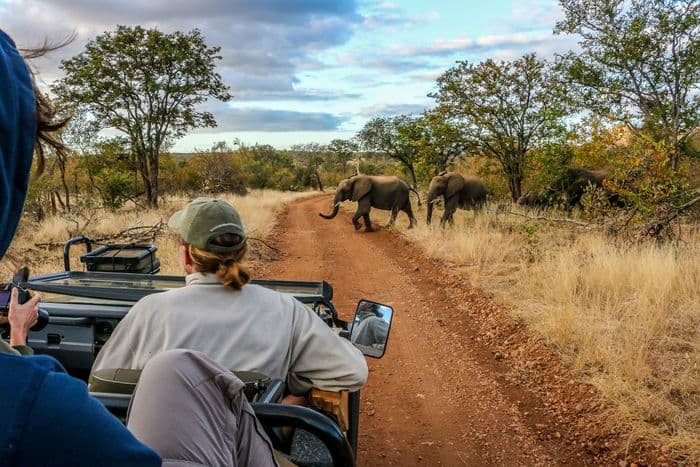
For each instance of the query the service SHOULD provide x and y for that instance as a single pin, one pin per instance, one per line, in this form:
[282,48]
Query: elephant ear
[360,188]
[455,183]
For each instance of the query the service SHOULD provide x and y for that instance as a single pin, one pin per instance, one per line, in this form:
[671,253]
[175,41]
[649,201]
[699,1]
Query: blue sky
[308,70]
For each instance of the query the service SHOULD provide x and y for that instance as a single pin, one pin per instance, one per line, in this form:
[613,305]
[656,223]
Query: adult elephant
[571,186]
[387,193]
[458,191]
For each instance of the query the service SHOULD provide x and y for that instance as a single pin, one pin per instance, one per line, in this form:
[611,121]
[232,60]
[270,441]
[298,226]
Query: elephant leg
[411,218]
[394,213]
[363,208]
[355,219]
[368,224]
[450,208]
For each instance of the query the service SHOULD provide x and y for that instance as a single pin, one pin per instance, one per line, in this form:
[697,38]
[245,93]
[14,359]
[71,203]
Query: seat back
[114,380]
[123,381]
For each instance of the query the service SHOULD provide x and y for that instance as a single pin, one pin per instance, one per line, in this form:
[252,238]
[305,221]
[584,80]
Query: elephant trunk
[431,201]
[336,208]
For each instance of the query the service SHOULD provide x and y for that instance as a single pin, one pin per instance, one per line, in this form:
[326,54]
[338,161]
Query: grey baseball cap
[204,219]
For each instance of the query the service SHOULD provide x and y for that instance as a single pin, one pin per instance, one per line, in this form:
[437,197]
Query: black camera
[20,277]
[5,295]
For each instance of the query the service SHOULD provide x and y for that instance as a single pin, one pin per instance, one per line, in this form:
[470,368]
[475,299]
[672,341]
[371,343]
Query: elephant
[571,186]
[383,192]
[459,191]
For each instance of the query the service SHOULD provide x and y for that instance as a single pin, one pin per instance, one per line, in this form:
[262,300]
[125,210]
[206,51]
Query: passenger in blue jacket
[189,410]
[48,418]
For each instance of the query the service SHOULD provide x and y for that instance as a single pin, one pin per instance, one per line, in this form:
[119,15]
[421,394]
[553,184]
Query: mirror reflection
[370,328]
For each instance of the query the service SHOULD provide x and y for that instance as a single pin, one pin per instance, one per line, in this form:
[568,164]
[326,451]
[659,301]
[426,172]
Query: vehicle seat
[114,380]
[123,381]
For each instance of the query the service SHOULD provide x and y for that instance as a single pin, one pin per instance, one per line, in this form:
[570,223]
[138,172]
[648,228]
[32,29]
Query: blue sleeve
[67,427]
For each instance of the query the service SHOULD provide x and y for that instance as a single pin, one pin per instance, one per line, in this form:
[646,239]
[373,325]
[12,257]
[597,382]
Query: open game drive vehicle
[80,309]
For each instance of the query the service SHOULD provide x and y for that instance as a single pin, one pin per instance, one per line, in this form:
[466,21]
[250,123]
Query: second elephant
[570,188]
[458,191]
[388,193]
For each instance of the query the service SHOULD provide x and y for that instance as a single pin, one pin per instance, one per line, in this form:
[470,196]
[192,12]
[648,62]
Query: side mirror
[370,328]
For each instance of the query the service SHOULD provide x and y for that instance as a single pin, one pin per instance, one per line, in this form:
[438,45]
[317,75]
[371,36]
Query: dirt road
[445,393]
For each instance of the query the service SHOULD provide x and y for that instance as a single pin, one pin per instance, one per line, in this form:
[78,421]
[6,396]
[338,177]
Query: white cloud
[483,43]
[388,110]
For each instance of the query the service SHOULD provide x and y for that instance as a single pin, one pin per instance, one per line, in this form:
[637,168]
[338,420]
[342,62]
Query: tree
[441,142]
[505,109]
[310,157]
[397,138]
[639,65]
[267,167]
[343,151]
[145,84]
[218,171]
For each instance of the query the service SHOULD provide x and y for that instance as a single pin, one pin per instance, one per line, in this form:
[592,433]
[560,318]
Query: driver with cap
[241,326]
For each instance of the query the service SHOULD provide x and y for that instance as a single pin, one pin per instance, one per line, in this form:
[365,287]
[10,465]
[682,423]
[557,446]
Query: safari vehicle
[80,309]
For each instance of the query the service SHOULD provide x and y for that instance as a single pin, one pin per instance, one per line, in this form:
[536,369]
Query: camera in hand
[23,296]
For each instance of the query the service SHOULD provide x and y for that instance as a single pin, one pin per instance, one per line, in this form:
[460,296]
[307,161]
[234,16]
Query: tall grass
[258,210]
[626,317]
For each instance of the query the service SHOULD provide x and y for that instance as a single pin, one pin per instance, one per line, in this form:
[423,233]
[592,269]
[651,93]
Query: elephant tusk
[336,204]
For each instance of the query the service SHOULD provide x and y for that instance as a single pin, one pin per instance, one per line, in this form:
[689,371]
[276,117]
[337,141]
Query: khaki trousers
[193,412]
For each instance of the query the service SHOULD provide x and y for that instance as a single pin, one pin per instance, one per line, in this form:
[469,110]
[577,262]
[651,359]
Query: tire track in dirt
[431,400]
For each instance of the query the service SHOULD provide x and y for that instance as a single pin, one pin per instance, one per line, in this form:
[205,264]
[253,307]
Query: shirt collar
[199,278]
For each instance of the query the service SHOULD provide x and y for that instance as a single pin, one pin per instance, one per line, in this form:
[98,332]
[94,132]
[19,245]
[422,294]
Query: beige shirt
[254,329]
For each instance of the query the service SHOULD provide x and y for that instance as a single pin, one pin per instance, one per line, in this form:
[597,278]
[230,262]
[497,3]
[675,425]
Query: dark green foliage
[440,144]
[115,188]
[267,167]
[395,137]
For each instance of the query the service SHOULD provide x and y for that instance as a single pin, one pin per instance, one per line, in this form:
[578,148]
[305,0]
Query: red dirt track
[461,382]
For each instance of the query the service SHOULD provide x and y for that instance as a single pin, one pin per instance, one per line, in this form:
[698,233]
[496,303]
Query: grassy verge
[258,210]
[626,318]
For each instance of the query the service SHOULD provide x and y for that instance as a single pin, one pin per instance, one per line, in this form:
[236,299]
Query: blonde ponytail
[228,266]
[233,274]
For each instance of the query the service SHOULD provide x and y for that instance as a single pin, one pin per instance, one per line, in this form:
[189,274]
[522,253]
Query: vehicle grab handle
[275,415]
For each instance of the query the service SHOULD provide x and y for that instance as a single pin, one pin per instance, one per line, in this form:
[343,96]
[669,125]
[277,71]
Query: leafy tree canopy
[639,65]
[145,84]
[505,109]
[395,137]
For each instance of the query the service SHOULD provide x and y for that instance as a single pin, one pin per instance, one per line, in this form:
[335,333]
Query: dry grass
[627,318]
[258,210]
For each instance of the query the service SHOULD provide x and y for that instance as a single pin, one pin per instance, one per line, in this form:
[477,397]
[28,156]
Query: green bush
[115,188]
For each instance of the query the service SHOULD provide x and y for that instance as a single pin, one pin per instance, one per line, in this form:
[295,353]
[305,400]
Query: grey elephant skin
[387,193]
[459,191]
[571,186]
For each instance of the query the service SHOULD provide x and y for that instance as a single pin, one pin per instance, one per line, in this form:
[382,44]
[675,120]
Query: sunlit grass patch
[258,210]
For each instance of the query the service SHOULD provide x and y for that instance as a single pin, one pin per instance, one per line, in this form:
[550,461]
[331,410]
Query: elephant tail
[417,194]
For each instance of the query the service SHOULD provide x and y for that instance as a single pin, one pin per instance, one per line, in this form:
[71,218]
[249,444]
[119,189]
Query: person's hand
[22,317]
[295,400]
[291,399]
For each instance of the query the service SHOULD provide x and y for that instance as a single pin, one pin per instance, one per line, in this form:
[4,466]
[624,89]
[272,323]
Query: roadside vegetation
[625,317]
[38,244]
